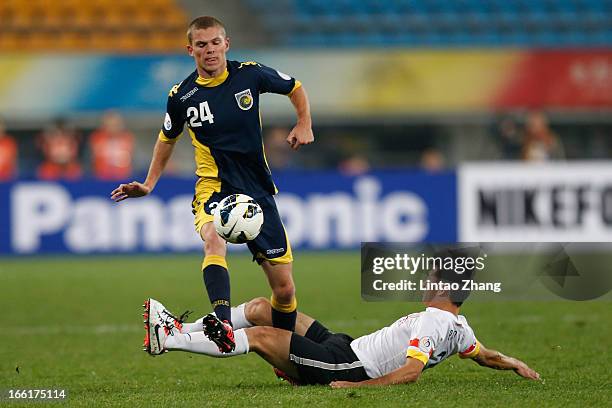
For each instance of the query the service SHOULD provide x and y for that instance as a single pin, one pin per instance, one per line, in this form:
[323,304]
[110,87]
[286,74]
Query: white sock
[239,321]
[198,343]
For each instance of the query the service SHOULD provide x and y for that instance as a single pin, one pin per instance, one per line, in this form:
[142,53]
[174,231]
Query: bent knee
[284,293]
[257,311]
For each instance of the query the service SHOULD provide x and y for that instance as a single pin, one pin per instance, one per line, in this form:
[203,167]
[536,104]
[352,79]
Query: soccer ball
[238,218]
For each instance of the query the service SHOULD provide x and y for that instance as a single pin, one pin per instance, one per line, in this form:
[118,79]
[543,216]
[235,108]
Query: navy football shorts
[271,244]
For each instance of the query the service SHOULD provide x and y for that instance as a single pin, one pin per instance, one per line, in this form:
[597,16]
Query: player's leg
[306,361]
[299,357]
[273,345]
[214,266]
[215,272]
[163,333]
[258,312]
[239,320]
[270,343]
[199,343]
[272,250]
[283,301]
[217,282]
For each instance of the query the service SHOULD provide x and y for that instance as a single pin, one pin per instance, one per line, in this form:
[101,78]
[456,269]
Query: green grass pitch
[75,323]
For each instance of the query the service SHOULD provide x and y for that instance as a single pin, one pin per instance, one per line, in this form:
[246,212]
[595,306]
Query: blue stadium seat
[350,23]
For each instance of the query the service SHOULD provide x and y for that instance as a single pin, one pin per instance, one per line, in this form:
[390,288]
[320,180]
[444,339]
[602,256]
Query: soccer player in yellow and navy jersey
[219,102]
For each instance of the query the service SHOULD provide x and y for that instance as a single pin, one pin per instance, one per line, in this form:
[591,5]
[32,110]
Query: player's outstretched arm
[408,373]
[161,154]
[301,133]
[496,360]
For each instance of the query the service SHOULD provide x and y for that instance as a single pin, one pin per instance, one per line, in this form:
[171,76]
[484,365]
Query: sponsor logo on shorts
[274,251]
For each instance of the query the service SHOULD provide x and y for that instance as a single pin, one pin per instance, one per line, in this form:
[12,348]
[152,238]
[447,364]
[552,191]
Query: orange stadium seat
[93,25]
[164,41]
[129,41]
[114,20]
[103,41]
[84,19]
[6,9]
[9,41]
[72,41]
[22,19]
[39,41]
[145,18]
[54,19]
[176,19]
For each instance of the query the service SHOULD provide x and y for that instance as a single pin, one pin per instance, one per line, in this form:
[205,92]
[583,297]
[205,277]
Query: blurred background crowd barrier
[435,120]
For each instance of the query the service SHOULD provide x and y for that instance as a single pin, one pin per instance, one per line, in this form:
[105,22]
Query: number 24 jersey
[223,120]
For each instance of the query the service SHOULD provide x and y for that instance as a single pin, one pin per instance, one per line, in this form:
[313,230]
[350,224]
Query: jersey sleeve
[277,82]
[469,347]
[424,339]
[173,121]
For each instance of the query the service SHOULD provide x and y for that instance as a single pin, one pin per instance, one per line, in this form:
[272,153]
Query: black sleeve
[275,81]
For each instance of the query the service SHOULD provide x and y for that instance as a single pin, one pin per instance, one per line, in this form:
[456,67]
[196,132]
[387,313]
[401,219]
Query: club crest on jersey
[244,99]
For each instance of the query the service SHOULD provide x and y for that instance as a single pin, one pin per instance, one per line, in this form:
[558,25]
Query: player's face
[208,47]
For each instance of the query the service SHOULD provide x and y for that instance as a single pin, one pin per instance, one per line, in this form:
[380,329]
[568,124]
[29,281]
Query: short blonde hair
[202,23]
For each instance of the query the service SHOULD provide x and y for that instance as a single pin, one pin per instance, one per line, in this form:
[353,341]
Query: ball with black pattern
[238,218]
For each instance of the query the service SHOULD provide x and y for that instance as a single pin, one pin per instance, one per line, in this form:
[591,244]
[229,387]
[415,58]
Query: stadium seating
[158,25]
[537,23]
[93,25]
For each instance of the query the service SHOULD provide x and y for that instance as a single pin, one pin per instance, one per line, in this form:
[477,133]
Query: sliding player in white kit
[396,354]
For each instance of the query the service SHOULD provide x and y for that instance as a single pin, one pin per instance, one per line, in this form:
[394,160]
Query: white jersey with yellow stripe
[429,336]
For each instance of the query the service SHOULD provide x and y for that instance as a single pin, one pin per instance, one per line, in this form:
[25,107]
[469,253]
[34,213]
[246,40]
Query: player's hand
[129,190]
[343,384]
[524,371]
[300,135]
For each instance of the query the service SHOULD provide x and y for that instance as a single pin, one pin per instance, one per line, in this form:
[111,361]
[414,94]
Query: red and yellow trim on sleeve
[414,352]
[165,139]
[471,351]
[297,85]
